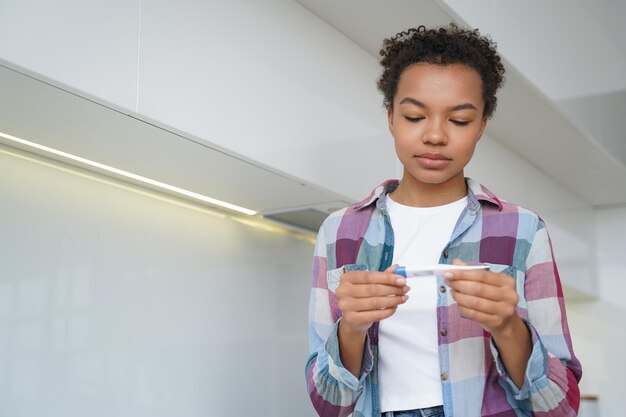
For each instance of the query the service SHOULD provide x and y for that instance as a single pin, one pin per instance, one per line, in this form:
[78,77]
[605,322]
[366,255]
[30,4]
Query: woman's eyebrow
[413,101]
[464,106]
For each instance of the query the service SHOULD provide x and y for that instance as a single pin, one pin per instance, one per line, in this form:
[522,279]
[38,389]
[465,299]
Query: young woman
[466,343]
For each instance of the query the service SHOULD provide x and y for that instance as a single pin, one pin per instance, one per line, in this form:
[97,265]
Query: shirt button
[445,254]
[442,289]
[444,376]
[443,331]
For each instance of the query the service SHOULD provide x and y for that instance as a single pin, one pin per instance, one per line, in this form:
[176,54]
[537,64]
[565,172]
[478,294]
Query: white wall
[597,326]
[117,302]
[611,238]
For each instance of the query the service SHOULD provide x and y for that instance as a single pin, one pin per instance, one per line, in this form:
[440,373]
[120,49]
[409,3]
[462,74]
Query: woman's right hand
[365,297]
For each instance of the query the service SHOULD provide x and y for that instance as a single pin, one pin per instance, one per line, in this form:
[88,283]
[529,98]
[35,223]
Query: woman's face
[436,121]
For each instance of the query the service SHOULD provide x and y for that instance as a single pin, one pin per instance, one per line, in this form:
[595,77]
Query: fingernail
[448,275]
[401,281]
[405,297]
[406,289]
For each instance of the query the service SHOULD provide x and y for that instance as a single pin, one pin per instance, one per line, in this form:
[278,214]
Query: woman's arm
[553,371]
[491,299]
[332,388]
[533,356]
[340,356]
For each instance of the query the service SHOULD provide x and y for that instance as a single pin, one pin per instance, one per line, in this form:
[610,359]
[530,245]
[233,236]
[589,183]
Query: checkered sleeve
[332,388]
[552,374]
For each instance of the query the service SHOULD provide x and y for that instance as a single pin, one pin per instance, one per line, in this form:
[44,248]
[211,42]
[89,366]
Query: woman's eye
[460,122]
[413,119]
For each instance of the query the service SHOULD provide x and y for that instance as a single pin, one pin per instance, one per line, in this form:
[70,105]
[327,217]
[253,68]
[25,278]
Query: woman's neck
[411,192]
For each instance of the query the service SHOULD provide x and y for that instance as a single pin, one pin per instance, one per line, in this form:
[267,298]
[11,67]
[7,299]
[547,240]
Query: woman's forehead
[431,81]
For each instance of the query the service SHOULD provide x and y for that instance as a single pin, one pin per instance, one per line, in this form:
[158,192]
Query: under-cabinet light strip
[130,175]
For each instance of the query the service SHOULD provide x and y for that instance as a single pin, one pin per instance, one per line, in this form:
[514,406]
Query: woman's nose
[435,133]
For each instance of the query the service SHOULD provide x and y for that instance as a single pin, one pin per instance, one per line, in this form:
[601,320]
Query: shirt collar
[482,193]
[476,193]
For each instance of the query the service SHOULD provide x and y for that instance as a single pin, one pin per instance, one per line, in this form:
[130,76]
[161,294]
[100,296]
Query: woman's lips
[433,161]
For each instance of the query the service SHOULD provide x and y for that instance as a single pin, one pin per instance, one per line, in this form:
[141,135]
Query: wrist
[351,332]
[351,347]
[512,329]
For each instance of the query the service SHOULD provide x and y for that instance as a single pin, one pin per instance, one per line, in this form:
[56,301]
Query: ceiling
[577,133]
[601,114]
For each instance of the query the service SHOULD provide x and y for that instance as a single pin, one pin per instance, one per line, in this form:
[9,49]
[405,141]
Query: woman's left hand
[486,297]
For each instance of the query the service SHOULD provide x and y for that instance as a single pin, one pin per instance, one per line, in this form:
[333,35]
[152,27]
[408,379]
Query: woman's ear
[483,125]
[390,118]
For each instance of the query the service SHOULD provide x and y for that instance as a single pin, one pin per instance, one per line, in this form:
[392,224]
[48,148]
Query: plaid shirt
[475,382]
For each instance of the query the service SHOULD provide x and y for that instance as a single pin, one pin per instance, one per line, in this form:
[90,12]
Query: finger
[376,290]
[374,303]
[485,319]
[486,277]
[476,275]
[478,289]
[495,308]
[474,303]
[362,277]
[367,317]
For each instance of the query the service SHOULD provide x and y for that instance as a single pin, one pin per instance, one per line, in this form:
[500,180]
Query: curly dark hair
[441,46]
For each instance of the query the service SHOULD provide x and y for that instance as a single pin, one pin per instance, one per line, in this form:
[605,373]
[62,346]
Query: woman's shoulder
[496,204]
[358,214]
[518,219]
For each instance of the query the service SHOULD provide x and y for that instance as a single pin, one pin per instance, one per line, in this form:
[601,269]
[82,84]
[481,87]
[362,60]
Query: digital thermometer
[430,270]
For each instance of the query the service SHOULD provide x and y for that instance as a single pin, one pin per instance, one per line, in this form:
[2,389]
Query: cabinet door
[90,46]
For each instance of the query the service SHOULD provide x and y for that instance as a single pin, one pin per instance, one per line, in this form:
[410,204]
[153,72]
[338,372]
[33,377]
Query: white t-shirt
[408,368]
